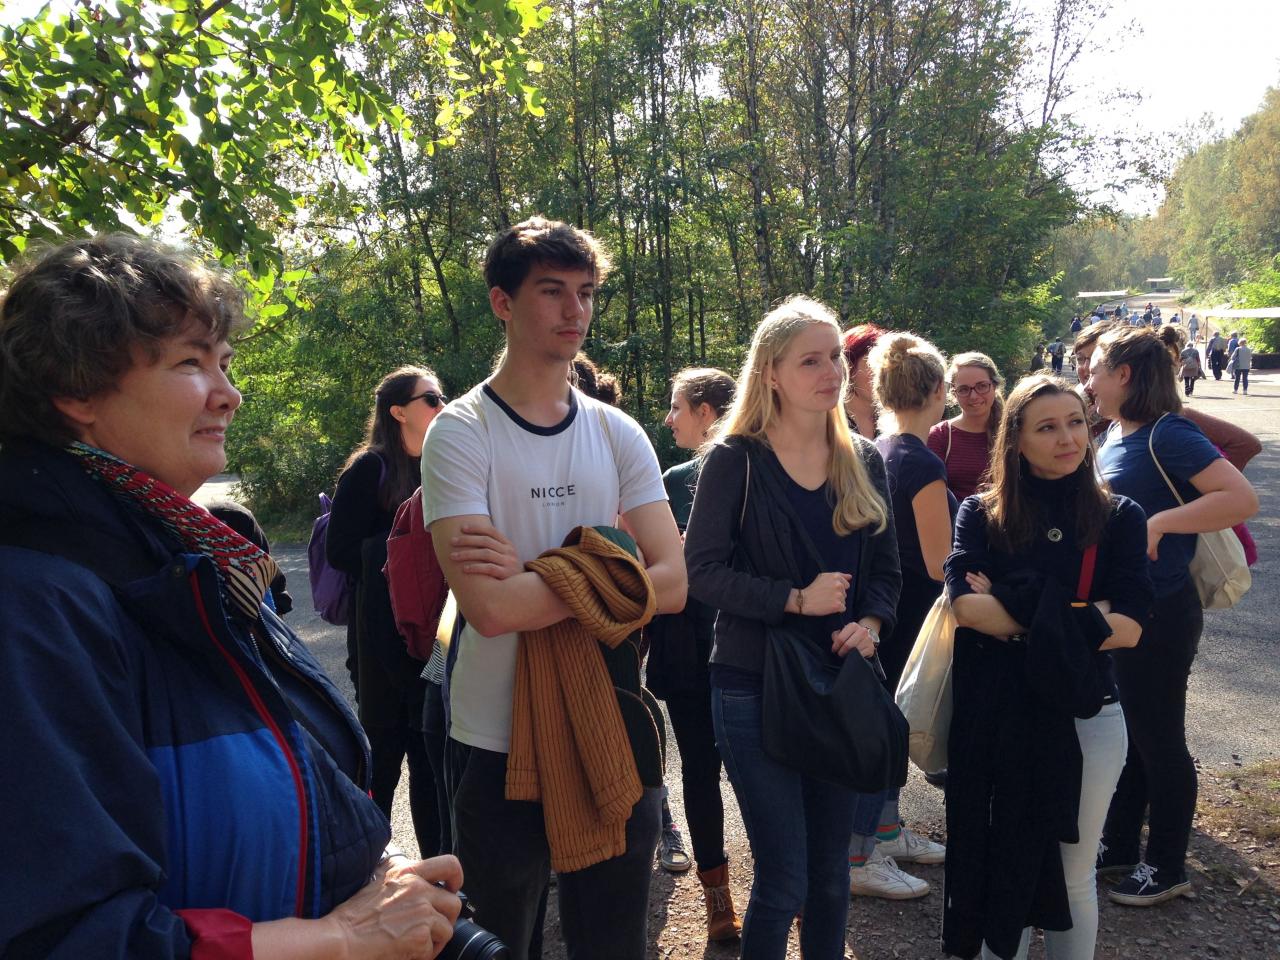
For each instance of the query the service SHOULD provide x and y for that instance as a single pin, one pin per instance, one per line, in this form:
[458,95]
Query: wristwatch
[875,636]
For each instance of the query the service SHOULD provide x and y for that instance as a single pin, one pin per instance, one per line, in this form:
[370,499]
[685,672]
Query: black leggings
[700,775]
[435,736]
[1188,385]
[1158,773]
[389,746]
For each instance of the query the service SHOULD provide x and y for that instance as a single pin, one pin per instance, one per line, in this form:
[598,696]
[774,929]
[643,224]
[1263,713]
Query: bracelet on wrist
[800,602]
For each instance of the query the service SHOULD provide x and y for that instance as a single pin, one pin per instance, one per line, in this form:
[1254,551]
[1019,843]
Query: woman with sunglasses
[379,475]
[964,442]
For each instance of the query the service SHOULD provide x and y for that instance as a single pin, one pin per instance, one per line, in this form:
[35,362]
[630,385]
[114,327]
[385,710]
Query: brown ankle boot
[722,922]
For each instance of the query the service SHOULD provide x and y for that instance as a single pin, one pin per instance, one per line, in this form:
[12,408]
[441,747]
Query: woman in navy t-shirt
[909,380]
[1133,385]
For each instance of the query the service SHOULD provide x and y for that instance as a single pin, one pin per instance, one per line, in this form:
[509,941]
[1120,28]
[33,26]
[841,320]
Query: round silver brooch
[1054,534]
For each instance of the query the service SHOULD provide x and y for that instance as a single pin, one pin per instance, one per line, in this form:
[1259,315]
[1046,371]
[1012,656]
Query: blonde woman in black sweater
[809,478]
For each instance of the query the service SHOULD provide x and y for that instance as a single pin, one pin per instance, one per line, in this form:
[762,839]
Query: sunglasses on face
[433,399]
[982,388]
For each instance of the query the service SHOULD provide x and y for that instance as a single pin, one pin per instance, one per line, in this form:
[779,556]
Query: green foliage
[1220,220]
[128,112]
[728,154]
[1262,289]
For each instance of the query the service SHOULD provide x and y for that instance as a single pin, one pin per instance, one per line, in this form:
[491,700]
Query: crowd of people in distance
[195,785]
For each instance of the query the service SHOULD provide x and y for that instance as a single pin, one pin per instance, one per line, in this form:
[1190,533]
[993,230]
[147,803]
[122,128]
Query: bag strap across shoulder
[1087,563]
[1151,448]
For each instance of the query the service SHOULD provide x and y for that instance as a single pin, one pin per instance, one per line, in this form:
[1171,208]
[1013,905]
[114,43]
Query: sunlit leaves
[130,114]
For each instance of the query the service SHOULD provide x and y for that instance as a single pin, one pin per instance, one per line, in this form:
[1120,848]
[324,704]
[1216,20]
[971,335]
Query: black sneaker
[1111,865]
[671,852]
[1142,889]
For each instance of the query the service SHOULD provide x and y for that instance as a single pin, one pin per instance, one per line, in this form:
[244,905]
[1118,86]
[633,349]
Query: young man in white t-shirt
[508,470]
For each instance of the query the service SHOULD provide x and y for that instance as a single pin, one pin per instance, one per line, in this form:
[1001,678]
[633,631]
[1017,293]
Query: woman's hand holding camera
[406,912]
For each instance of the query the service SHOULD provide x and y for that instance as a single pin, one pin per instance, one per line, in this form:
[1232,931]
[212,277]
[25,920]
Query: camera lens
[472,942]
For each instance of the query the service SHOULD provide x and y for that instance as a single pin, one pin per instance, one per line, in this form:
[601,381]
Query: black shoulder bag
[828,717]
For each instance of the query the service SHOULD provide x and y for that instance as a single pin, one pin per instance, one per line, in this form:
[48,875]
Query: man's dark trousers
[506,864]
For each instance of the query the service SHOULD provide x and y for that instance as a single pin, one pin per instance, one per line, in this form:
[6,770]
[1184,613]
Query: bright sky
[1190,58]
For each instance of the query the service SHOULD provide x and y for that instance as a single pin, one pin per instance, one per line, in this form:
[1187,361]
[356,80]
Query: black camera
[470,941]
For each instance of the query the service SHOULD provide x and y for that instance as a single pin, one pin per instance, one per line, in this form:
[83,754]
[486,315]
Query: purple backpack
[330,587]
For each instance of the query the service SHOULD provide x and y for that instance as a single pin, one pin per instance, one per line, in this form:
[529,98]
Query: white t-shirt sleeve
[455,469]
[639,479]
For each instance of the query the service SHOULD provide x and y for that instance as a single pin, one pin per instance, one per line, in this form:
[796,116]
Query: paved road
[1233,710]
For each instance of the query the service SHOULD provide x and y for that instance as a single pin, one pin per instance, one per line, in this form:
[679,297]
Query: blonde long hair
[756,408]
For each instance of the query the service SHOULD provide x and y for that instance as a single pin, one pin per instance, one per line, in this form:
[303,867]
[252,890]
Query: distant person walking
[1193,328]
[1217,351]
[1057,352]
[1189,371]
[1240,362]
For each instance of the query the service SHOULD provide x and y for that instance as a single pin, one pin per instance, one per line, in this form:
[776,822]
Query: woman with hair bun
[964,442]
[909,378]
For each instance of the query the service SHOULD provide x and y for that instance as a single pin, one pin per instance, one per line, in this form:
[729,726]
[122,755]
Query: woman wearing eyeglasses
[379,475]
[964,442]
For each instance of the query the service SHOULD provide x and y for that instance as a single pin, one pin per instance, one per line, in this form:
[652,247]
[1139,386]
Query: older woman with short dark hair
[192,783]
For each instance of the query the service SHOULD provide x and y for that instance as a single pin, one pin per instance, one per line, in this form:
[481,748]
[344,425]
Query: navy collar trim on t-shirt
[524,424]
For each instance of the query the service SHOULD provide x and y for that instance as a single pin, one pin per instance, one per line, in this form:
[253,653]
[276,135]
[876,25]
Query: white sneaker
[910,847]
[880,877]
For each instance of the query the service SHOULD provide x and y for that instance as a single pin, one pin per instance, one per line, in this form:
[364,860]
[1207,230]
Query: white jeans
[1103,743]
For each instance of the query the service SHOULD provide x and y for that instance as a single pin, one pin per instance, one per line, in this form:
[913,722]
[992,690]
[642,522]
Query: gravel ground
[1233,719]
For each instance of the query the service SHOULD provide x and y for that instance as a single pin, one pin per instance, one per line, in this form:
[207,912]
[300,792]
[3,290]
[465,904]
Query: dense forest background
[910,162]
[877,155]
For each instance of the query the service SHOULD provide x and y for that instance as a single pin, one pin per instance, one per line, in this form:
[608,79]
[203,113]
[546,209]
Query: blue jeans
[799,830]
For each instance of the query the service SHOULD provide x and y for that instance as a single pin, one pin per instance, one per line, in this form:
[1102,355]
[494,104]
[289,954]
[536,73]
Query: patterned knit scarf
[245,571]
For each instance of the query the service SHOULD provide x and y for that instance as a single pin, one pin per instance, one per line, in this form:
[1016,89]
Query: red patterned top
[967,460]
